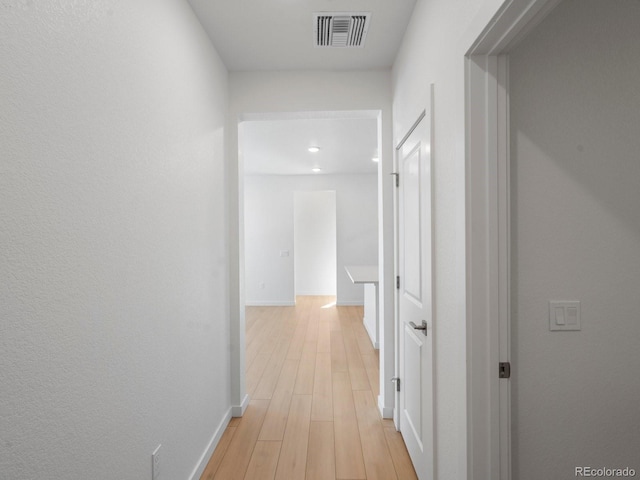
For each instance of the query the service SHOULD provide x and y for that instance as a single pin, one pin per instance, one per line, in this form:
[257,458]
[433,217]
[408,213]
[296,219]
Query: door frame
[235,241]
[488,235]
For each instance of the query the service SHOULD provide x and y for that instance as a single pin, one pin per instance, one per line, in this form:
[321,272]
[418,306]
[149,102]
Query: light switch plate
[564,315]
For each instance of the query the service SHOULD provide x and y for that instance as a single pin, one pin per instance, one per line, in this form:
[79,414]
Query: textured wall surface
[269,229]
[113,300]
[575,110]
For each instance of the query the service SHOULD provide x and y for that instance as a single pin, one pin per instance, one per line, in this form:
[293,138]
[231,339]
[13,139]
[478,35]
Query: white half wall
[114,334]
[269,229]
[575,173]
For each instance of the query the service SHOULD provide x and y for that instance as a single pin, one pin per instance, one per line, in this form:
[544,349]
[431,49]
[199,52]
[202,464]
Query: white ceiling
[279,147]
[278,34]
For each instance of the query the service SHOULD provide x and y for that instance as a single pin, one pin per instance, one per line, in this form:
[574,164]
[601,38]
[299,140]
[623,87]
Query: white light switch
[564,315]
[284,253]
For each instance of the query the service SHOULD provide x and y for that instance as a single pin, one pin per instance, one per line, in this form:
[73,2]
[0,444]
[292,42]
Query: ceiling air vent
[342,29]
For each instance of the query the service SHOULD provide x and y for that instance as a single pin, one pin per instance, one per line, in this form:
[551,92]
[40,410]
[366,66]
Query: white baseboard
[386,412]
[271,303]
[372,337]
[234,411]
[213,443]
[238,410]
[350,303]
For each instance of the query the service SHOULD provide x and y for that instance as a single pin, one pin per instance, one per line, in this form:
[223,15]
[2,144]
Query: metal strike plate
[505,370]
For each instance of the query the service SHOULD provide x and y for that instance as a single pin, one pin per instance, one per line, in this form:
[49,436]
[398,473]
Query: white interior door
[415,322]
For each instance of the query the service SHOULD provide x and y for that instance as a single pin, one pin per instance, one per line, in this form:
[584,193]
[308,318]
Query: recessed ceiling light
[375,159]
[316,169]
[314,149]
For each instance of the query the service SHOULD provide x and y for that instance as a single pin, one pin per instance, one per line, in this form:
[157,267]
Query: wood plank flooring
[312,375]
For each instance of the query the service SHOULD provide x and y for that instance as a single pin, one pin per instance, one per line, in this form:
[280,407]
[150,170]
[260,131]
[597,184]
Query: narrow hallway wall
[113,311]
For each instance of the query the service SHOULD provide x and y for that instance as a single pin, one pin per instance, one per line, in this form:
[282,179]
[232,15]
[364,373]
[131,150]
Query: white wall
[113,311]
[314,242]
[437,39]
[269,229]
[575,110]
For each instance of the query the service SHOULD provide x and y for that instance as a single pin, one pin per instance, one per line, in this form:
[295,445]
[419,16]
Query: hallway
[312,375]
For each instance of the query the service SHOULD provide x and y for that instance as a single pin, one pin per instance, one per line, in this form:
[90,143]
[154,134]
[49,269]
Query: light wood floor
[312,375]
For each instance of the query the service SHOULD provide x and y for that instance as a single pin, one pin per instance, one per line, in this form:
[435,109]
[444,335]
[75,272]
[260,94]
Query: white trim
[503,193]
[386,412]
[386,279]
[238,410]
[350,303]
[375,344]
[487,236]
[479,451]
[434,312]
[211,446]
[487,269]
[311,114]
[270,303]
[235,240]
[513,22]
[396,297]
[414,126]
[235,248]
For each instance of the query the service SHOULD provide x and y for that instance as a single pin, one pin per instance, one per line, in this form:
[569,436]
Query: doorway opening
[310,199]
[304,208]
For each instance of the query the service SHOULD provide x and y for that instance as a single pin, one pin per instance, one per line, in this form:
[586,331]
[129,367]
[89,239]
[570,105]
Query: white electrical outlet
[155,463]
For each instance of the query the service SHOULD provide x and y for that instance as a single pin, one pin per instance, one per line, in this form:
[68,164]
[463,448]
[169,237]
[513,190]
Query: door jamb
[235,247]
[487,236]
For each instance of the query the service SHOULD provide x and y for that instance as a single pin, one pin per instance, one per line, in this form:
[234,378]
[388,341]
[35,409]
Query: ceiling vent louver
[342,29]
